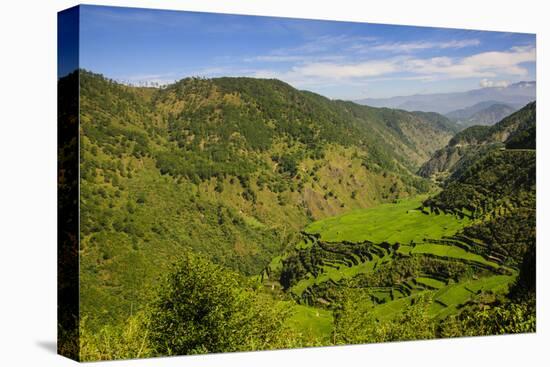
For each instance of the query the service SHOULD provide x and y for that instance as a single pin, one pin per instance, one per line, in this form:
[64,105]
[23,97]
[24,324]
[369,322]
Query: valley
[294,220]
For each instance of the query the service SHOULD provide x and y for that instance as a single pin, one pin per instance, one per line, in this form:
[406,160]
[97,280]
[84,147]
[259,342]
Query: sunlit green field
[446,251]
[312,322]
[330,273]
[417,234]
[401,222]
[455,295]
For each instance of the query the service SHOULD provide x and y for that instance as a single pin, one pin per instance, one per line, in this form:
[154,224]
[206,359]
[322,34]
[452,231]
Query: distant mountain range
[515,95]
[483,113]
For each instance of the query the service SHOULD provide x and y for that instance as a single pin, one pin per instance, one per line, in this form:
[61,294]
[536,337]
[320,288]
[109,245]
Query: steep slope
[494,184]
[497,189]
[264,110]
[517,129]
[497,182]
[230,168]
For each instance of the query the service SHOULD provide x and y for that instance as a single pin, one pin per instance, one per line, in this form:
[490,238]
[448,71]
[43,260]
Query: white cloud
[483,65]
[148,79]
[486,83]
[345,59]
[405,47]
[307,71]
[344,71]
[327,73]
[486,64]
[321,44]
[507,62]
[292,58]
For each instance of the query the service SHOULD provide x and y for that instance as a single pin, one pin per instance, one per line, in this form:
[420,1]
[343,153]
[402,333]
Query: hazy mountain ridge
[515,94]
[484,113]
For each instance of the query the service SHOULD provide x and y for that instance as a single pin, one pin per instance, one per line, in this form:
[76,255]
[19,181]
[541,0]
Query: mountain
[515,94]
[495,183]
[230,168]
[483,113]
[233,214]
[516,130]
[490,115]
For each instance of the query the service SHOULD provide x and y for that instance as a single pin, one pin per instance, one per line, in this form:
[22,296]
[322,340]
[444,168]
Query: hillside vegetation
[227,167]
[235,214]
[451,264]
[514,131]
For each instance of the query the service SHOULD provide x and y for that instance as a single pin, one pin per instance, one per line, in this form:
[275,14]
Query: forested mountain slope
[496,186]
[518,128]
[230,168]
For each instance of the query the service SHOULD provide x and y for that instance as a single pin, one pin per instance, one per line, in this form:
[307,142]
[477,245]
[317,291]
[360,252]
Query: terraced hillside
[394,253]
[441,257]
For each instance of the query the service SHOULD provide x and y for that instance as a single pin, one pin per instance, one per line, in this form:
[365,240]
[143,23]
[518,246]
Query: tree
[507,318]
[202,308]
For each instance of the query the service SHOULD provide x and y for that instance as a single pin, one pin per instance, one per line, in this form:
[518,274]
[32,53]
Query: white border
[28,181]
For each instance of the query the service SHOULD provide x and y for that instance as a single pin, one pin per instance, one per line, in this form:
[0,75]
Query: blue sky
[337,59]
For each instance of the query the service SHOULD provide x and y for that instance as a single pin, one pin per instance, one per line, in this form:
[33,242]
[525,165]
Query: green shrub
[126,340]
[203,308]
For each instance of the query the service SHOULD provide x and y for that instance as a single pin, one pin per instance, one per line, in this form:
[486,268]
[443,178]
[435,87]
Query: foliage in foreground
[355,324]
[204,308]
[508,318]
[201,308]
[121,341]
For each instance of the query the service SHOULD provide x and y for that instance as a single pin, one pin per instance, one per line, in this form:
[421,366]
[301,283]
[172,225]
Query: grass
[430,282]
[452,296]
[252,221]
[399,222]
[391,309]
[302,245]
[457,294]
[313,323]
[447,251]
[404,224]
[329,273]
[393,223]
[276,263]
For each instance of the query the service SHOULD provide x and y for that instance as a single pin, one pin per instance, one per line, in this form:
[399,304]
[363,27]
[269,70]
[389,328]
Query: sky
[343,60]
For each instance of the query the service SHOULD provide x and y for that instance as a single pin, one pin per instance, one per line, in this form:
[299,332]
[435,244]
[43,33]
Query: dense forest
[235,214]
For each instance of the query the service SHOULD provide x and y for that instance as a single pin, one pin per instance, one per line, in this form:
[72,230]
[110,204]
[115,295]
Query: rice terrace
[354,245]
